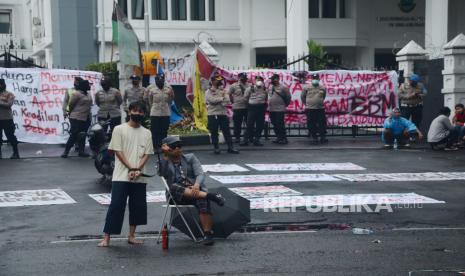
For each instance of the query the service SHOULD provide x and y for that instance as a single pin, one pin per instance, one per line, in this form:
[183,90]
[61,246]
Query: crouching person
[442,133]
[132,144]
[400,129]
[185,178]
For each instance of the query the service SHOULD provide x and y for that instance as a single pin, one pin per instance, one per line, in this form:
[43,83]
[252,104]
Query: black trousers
[316,122]
[239,117]
[413,113]
[78,128]
[255,121]
[8,126]
[277,119]
[120,191]
[217,122]
[113,123]
[159,127]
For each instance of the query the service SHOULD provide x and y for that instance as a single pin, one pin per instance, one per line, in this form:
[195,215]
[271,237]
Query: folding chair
[171,204]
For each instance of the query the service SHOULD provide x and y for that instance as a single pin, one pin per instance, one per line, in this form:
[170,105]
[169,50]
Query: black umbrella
[226,219]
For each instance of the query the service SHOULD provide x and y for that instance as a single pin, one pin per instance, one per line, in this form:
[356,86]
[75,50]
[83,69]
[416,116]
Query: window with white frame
[179,9]
[326,8]
[211,10]
[137,7]
[5,21]
[197,10]
[159,9]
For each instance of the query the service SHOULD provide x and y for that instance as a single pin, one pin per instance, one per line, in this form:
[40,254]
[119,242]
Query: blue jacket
[398,125]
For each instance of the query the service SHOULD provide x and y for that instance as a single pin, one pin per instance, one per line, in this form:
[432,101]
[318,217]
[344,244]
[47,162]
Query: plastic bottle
[361,231]
[164,238]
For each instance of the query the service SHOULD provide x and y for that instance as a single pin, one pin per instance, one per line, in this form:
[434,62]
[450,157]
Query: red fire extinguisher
[164,238]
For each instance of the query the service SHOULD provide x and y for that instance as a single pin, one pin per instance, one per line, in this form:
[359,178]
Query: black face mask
[137,118]
[2,88]
[135,83]
[160,83]
[105,87]
[413,83]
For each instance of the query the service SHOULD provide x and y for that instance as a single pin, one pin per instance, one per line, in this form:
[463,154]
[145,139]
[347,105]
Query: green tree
[108,69]
[318,59]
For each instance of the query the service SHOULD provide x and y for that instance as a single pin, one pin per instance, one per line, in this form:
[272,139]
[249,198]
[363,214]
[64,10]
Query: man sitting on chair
[185,178]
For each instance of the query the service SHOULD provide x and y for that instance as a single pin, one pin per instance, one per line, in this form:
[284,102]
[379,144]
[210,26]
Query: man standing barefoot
[132,144]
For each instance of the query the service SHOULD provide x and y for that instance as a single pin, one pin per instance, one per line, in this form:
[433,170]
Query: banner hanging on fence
[39,93]
[352,97]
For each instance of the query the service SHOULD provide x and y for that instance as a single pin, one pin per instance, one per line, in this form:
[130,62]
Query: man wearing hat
[160,96]
[280,98]
[239,101]
[313,96]
[217,99]
[134,93]
[256,96]
[6,119]
[398,128]
[109,100]
[411,96]
[184,175]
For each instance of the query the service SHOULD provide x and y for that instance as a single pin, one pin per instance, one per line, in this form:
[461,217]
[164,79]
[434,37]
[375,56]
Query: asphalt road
[35,240]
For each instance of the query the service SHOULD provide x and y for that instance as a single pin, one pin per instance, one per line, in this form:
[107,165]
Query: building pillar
[454,72]
[297,29]
[407,56]
[436,27]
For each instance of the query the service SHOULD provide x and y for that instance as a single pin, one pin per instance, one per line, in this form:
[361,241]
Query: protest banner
[306,167]
[34,198]
[39,94]
[265,191]
[219,168]
[272,178]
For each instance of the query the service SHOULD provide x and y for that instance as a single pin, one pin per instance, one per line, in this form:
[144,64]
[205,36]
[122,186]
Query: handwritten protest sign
[353,97]
[265,191]
[424,176]
[341,200]
[152,197]
[34,198]
[306,167]
[39,94]
[218,168]
[272,178]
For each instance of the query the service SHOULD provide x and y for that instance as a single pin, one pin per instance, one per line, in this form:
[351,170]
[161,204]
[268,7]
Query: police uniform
[6,121]
[159,101]
[411,102]
[278,95]
[109,106]
[257,98]
[239,101]
[313,98]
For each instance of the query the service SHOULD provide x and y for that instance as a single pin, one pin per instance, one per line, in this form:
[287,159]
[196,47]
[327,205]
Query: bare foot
[134,241]
[104,243]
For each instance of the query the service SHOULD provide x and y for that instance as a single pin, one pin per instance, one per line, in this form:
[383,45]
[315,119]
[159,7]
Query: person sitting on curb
[441,131]
[185,178]
[400,129]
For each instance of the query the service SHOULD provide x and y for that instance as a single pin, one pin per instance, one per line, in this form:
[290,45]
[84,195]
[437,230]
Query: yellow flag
[200,111]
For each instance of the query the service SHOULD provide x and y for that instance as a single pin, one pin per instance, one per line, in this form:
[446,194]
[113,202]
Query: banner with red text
[39,94]
[363,98]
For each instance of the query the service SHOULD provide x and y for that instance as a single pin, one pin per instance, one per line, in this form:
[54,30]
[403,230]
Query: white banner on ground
[341,200]
[265,191]
[307,167]
[34,198]
[219,168]
[425,176]
[39,94]
[152,197]
[272,178]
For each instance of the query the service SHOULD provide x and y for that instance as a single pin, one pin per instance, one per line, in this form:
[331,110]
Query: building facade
[245,33]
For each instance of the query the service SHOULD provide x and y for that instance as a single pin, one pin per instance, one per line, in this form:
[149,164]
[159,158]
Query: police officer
[313,96]
[257,96]
[79,113]
[237,97]
[6,119]
[69,93]
[160,96]
[411,99]
[109,100]
[133,94]
[217,99]
[280,98]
